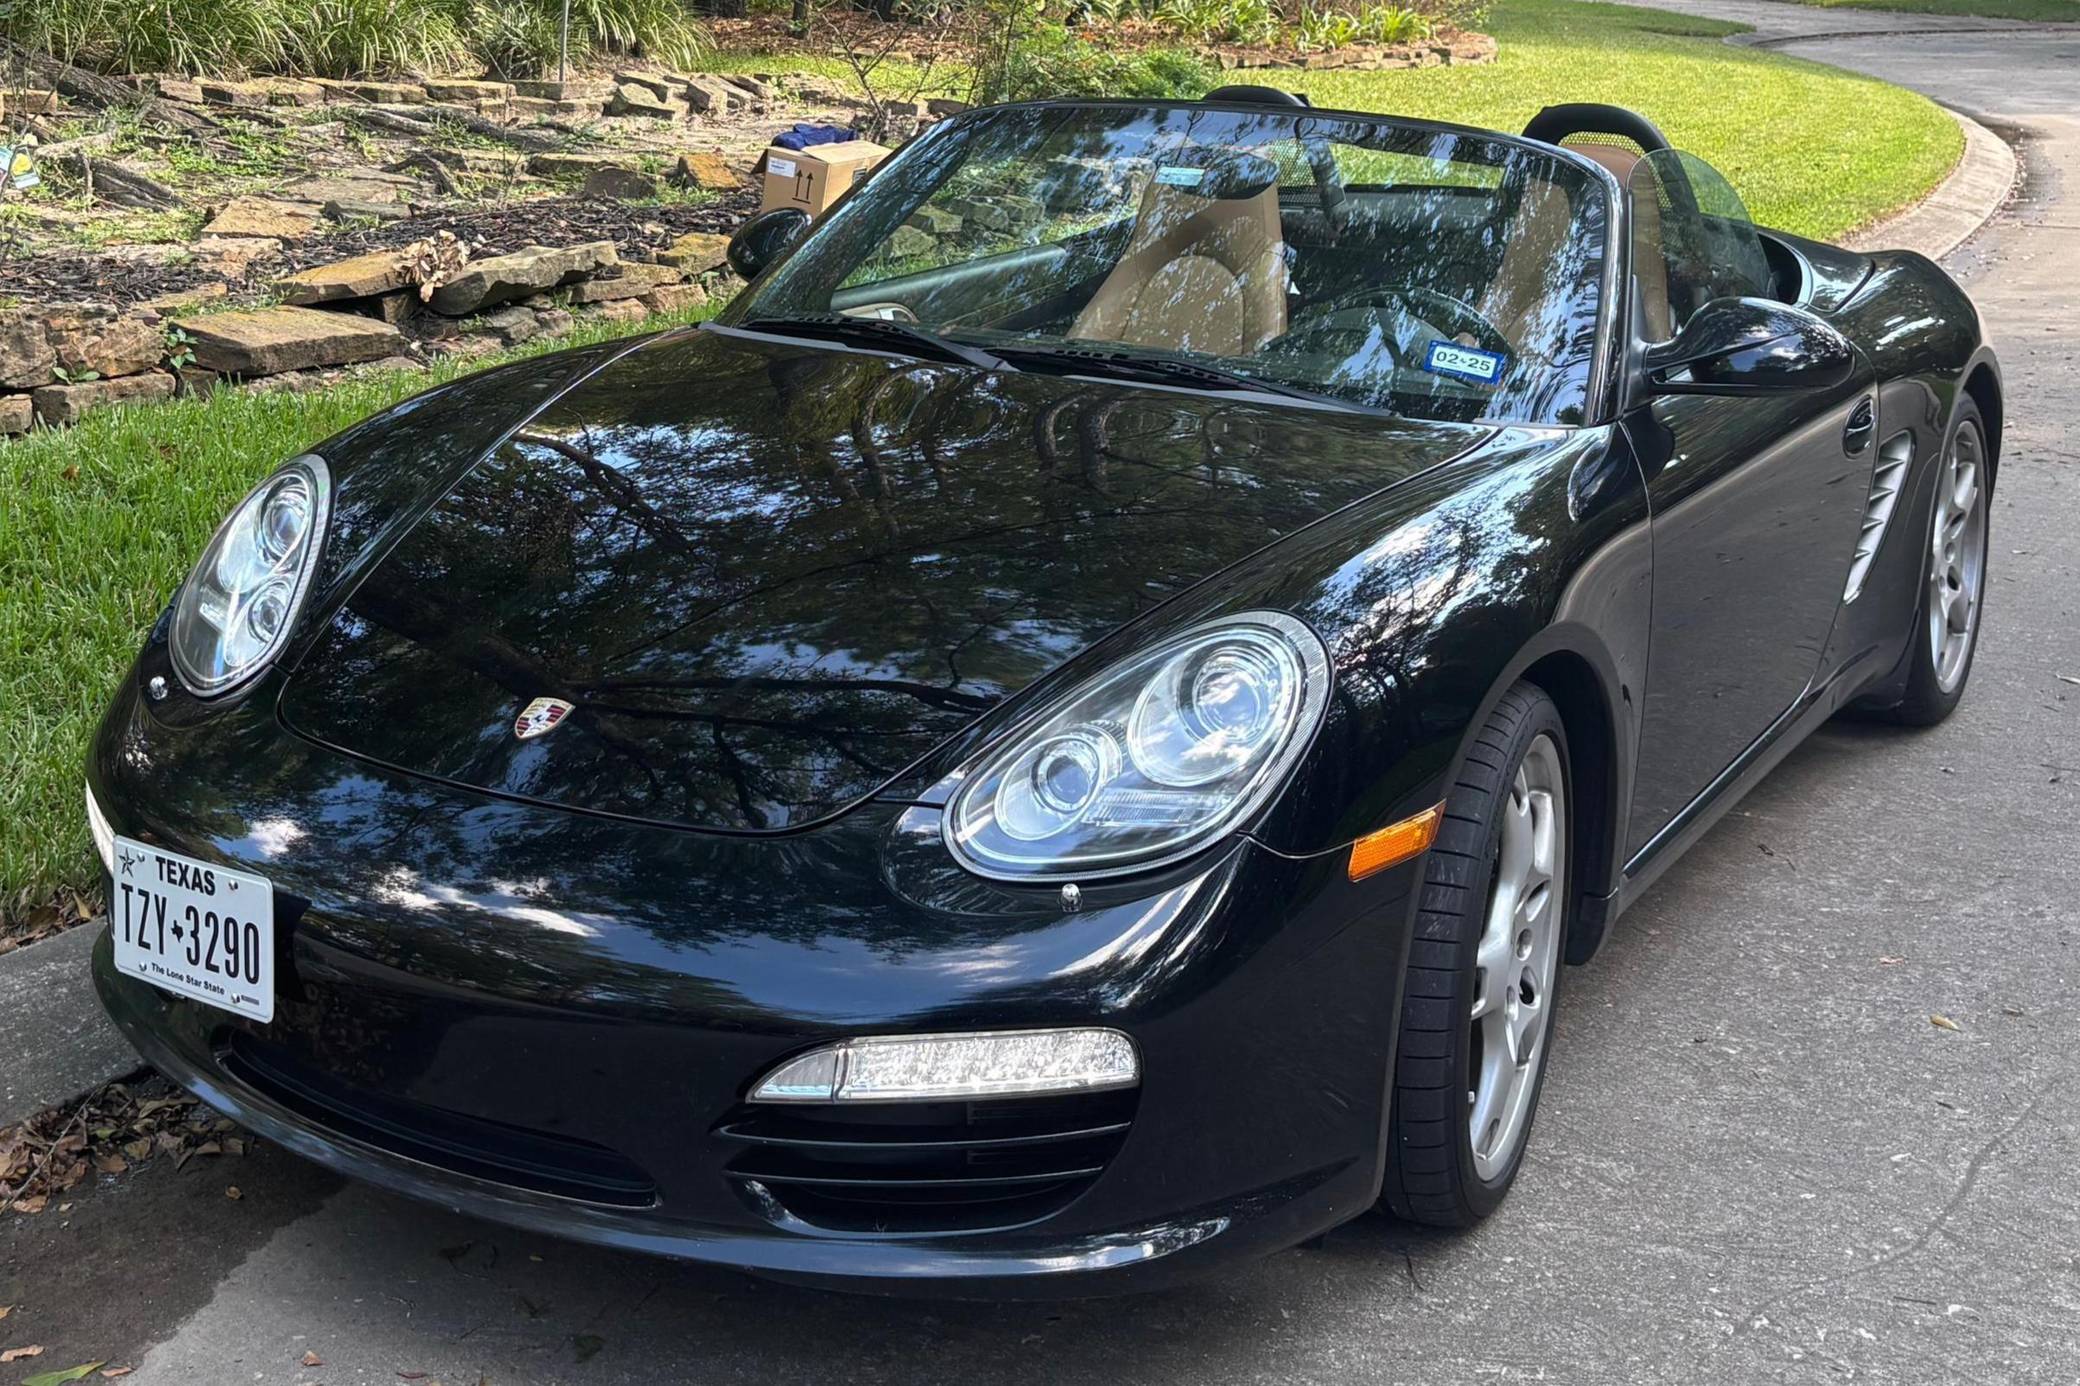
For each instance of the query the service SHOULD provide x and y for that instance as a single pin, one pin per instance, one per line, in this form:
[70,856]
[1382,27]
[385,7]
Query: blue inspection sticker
[1464,362]
[1177,176]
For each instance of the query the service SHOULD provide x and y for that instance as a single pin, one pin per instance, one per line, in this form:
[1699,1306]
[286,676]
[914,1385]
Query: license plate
[194,928]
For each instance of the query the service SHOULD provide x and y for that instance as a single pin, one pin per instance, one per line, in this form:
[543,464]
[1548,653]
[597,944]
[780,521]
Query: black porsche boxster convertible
[1066,736]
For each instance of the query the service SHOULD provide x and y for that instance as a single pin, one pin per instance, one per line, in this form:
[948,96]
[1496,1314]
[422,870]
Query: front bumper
[552,1021]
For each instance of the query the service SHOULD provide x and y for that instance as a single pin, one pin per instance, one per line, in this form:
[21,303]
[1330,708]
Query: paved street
[1757,1159]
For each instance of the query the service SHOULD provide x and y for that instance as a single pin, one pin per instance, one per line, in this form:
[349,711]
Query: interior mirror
[1747,346]
[761,240]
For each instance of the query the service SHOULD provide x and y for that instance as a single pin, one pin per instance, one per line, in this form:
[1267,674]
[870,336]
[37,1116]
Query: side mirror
[1750,346]
[763,239]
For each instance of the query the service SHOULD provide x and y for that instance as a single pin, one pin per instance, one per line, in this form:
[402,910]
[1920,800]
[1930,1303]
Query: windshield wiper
[889,333]
[1166,369]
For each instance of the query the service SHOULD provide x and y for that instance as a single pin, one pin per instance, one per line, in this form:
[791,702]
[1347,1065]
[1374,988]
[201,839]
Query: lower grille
[915,1167]
[510,1155]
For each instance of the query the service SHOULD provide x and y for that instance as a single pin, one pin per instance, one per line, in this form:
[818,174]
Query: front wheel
[1953,586]
[1477,1016]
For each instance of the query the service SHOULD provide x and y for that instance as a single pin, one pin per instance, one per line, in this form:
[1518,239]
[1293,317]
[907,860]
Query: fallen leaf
[111,1164]
[17,1354]
[1944,1022]
[311,1359]
[60,1378]
[2067,678]
[5,1310]
[35,1203]
[232,1192]
[1890,961]
[411,1376]
[138,1150]
[113,1372]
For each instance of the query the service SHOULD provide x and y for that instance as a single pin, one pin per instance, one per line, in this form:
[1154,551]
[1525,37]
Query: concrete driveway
[1757,1159]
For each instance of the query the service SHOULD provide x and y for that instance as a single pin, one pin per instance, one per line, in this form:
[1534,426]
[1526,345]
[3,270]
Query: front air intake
[925,1167]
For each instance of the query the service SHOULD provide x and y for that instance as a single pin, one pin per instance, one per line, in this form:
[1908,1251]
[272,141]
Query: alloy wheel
[1515,961]
[1957,557]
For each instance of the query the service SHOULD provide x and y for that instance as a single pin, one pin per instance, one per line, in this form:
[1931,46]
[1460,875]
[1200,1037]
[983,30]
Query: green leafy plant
[1394,24]
[180,349]
[65,377]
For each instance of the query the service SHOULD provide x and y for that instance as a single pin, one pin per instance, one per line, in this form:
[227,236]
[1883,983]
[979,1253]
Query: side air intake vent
[1895,457]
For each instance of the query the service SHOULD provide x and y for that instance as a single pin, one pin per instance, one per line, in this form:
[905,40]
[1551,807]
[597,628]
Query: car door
[1757,500]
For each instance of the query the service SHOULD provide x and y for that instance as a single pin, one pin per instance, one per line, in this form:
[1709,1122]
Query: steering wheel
[1430,304]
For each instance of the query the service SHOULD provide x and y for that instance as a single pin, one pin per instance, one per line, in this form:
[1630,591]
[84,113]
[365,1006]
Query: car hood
[768,577]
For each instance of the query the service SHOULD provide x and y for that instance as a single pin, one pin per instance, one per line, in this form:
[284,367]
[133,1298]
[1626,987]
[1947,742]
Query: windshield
[1434,273]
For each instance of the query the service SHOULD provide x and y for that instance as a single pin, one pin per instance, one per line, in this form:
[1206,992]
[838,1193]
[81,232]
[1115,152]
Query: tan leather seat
[1201,273]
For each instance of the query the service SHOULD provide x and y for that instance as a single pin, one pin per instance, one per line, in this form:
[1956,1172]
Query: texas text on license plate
[194,928]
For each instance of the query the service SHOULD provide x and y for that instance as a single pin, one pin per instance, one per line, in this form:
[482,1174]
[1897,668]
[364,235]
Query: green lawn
[2057,11]
[99,524]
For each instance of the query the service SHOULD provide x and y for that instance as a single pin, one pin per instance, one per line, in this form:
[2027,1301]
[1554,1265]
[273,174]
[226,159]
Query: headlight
[241,601]
[1149,761]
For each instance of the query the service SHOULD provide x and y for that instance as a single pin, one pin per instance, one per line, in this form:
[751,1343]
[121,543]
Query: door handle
[1863,423]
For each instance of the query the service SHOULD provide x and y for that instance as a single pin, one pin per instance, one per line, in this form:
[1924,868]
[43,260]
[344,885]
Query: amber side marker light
[1395,843]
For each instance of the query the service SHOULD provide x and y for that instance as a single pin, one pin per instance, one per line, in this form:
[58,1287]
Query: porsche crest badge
[540,717]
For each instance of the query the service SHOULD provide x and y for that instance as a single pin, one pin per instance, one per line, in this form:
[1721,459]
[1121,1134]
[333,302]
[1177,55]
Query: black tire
[1431,1177]
[1925,701]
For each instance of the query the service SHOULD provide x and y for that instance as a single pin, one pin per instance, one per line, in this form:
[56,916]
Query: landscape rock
[618,310]
[340,210]
[549,89]
[554,322]
[511,326]
[696,251]
[545,108]
[943,106]
[504,277]
[709,171]
[234,93]
[551,164]
[935,221]
[288,91]
[632,282]
[263,216]
[59,405]
[268,341]
[907,240]
[714,96]
[363,276]
[620,183]
[454,90]
[180,89]
[17,412]
[101,341]
[387,93]
[632,100]
[26,357]
[672,298]
[659,85]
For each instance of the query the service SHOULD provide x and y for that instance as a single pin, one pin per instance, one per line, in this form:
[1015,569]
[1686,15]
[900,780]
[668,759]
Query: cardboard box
[813,178]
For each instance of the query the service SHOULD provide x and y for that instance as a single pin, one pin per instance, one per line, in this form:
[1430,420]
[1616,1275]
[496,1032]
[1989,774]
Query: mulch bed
[637,231]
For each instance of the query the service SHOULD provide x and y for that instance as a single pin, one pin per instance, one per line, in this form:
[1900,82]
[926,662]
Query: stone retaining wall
[402,308]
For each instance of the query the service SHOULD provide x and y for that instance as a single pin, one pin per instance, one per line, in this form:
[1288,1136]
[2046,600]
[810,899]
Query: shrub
[348,38]
[150,35]
[376,38]
[1049,59]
